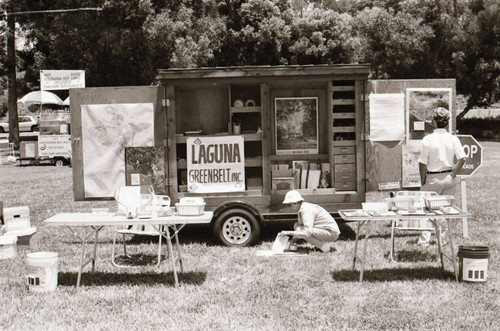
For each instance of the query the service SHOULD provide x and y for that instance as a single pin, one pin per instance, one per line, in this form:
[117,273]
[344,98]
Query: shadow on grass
[271,229]
[414,256]
[141,278]
[203,234]
[384,275]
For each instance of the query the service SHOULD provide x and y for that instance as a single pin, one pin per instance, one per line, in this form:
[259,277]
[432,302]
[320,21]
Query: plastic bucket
[473,263]
[42,271]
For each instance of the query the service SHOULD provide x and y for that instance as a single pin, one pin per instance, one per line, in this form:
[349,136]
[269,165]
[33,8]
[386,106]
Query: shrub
[480,128]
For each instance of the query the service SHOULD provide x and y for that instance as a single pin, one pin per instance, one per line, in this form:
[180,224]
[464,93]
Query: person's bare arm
[457,167]
[423,173]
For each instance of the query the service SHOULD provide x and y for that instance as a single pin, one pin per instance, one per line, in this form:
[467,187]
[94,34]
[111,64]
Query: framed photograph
[420,104]
[296,123]
[146,166]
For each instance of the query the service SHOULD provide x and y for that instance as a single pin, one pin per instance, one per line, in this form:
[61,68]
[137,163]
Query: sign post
[474,158]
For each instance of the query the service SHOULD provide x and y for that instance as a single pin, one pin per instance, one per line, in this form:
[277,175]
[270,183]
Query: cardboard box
[29,149]
[17,218]
[282,173]
[283,183]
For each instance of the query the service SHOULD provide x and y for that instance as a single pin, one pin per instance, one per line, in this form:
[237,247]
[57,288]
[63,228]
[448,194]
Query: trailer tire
[237,227]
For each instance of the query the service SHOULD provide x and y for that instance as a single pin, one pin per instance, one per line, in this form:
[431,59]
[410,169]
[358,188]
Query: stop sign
[474,155]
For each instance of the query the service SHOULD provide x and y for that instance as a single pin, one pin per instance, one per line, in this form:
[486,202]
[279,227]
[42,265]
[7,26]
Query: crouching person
[315,224]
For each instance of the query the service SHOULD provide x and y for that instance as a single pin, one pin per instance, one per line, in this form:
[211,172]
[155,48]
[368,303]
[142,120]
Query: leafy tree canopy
[129,40]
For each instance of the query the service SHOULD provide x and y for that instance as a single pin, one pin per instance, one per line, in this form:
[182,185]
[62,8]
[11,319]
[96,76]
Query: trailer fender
[237,223]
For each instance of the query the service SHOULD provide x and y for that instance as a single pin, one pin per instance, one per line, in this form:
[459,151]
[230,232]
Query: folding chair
[417,224]
[135,201]
[6,146]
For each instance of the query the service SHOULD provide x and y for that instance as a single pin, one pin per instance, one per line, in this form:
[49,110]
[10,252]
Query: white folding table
[92,223]
[362,218]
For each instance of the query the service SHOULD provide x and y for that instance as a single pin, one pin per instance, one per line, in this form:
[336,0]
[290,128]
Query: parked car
[26,123]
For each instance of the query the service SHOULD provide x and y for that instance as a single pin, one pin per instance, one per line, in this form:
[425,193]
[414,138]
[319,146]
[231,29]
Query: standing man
[314,223]
[438,169]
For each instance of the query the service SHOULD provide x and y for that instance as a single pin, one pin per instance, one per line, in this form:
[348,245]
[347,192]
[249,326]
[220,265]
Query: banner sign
[61,79]
[215,164]
[106,130]
[54,145]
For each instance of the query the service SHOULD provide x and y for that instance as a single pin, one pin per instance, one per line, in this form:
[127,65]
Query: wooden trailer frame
[203,101]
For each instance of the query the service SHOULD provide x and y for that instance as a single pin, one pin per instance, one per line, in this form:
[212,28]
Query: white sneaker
[423,243]
[326,247]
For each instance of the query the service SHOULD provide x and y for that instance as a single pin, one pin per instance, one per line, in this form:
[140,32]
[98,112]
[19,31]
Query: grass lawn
[226,288]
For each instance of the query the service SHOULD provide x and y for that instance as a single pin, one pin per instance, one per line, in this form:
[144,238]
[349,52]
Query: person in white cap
[437,168]
[314,224]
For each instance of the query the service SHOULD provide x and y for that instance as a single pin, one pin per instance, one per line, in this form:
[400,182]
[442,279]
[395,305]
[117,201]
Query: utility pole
[11,65]
[11,82]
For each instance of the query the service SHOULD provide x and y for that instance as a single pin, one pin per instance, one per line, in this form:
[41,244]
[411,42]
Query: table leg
[452,248]
[84,237]
[176,231]
[82,264]
[94,257]
[172,257]
[438,239]
[363,259]
[356,246]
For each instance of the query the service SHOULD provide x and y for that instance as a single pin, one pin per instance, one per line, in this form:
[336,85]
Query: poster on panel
[296,125]
[215,164]
[410,166]
[146,166]
[387,120]
[106,130]
[420,103]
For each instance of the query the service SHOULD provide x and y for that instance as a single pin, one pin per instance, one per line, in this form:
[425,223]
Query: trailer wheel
[58,162]
[237,227]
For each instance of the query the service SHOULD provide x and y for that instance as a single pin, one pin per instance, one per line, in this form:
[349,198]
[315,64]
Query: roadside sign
[474,153]
[61,79]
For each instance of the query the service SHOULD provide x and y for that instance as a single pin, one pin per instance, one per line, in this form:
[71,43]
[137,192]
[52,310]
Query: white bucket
[8,247]
[42,271]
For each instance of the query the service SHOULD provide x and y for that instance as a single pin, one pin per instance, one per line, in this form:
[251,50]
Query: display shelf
[343,115]
[239,110]
[344,143]
[308,191]
[343,102]
[343,88]
[253,161]
[343,129]
[306,157]
[247,137]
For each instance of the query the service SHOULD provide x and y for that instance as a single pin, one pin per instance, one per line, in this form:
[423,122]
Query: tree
[477,55]
[394,43]
[185,37]
[108,46]
[322,36]
[258,32]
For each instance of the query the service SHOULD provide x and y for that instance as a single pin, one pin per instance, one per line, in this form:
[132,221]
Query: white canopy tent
[66,101]
[41,98]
